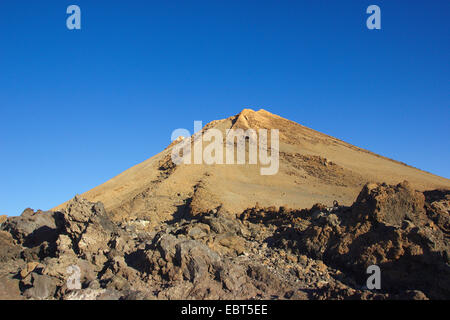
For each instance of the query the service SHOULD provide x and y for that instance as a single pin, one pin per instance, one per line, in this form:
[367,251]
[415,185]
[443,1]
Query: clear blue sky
[79,107]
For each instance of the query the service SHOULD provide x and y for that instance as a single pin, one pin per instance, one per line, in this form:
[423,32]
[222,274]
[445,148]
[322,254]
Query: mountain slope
[314,167]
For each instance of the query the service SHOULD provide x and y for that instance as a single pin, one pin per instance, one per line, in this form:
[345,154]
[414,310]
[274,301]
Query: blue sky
[79,107]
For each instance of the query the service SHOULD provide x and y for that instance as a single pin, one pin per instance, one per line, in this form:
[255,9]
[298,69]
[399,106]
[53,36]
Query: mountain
[313,167]
[198,231]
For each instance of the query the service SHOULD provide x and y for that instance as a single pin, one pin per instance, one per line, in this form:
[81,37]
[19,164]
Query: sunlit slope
[313,167]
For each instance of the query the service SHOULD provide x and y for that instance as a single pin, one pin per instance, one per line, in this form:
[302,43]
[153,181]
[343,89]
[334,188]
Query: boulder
[88,226]
[33,228]
[43,287]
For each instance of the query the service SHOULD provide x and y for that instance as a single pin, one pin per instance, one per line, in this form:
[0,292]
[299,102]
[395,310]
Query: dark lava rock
[269,253]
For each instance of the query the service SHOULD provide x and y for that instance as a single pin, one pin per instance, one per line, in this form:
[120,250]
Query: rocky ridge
[261,253]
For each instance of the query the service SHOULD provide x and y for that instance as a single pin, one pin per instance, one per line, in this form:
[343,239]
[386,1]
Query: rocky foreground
[261,253]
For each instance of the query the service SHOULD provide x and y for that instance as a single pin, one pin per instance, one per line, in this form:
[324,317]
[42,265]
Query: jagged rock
[62,268]
[88,225]
[222,224]
[388,226]
[64,245]
[390,204]
[179,258]
[51,242]
[228,243]
[33,228]
[8,249]
[269,253]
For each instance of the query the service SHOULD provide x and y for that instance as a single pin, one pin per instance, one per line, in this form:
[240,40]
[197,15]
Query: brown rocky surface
[393,227]
[264,253]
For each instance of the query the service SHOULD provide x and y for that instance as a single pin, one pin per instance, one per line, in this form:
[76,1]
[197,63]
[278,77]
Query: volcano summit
[162,230]
[313,167]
